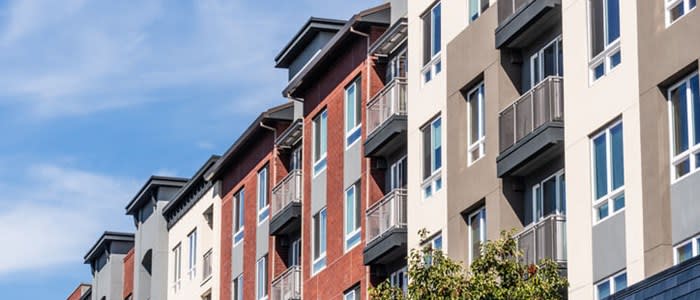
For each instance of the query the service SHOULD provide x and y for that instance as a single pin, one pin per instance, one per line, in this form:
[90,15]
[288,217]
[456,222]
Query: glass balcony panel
[287,285]
[286,192]
[388,213]
[544,239]
[389,101]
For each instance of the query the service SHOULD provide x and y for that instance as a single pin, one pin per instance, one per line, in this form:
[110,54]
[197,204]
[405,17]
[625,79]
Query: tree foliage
[497,274]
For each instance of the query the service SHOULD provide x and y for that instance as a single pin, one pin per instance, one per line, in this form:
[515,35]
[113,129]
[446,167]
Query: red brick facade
[75,295]
[128,288]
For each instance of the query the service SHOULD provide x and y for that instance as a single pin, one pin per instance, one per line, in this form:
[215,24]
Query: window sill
[604,58]
[318,265]
[352,240]
[432,185]
[432,69]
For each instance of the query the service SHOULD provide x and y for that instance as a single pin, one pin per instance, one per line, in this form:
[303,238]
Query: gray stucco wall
[399,8]
[153,234]
[108,282]
[609,241]
[685,219]
[352,164]
[318,192]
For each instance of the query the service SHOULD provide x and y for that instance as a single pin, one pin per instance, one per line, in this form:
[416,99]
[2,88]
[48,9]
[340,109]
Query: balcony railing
[287,286]
[391,100]
[387,214]
[544,239]
[286,192]
[542,104]
[508,7]
[207,265]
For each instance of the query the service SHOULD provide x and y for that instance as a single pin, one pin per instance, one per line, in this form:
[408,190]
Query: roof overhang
[176,208]
[302,38]
[143,196]
[103,242]
[392,38]
[291,135]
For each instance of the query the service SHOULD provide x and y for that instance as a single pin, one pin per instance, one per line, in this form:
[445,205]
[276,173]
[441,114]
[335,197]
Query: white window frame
[396,176]
[433,239]
[258,287]
[693,148]
[320,162]
[319,259]
[540,63]
[695,248]
[352,294]
[539,202]
[479,11]
[669,4]
[263,194]
[480,143]
[295,259]
[481,217]
[433,183]
[177,267]
[237,292]
[611,280]
[434,66]
[352,238]
[611,194]
[611,48]
[354,134]
[192,254]
[401,274]
[239,215]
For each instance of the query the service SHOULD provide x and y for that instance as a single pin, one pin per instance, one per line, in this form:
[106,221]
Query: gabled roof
[142,197]
[284,112]
[305,35]
[188,195]
[103,242]
[379,15]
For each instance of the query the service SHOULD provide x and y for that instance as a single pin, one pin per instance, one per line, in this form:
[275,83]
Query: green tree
[497,274]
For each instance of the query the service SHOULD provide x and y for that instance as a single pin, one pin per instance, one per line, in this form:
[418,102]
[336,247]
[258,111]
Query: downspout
[273,164]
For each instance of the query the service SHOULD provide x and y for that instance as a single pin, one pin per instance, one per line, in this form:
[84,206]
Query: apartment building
[193,235]
[106,260]
[82,292]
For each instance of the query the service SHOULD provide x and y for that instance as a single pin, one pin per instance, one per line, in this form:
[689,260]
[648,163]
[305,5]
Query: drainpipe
[274,150]
[368,60]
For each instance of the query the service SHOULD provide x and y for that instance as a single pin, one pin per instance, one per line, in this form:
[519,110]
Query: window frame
[612,194]
[352,238]
[398,173]
[239,216]
[481,217]
[433,66]
[263,211]
[237,291]
[480,143]
[400,274]
[610,48]
[690,154]
[177,267]
[353,292]
[352,135]
[694,250]
[319,259]
[611,281]
[320,159]
[192,254]
[431,183]
[480,10]
[557,42]
[258,287]
[559,177]
[670,4]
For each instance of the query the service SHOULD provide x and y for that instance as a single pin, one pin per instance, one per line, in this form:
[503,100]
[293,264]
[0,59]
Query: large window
[477,130]
[548,61]
[320,132]
[549,197]
[686,250]
[353,112]
[238,216]
[261,282]
[432,42]
[476,8]
[432,157]
[605,36]
[684,106]
[192,255]
[319,233]
[477,233]
[177,267]
[398,172]
[352,216]
[238,288]
[263,197]
[608,172]
[675,9]
[611,285]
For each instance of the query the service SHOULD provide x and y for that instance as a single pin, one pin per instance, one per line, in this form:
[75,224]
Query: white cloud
[53,214]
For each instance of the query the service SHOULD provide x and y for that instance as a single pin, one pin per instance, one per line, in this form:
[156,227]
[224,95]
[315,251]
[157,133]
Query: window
[398,174]
[261,281]
[684,110]
[477,132]
[352,216]
[399,279]
[295,159]
[396,68]
[238,288]
[436,242]
[263,198]
[320,142]
[432,42]
[295,253]
[476,8]
[319,232]
[686,250]
[192,238]
[353,294]
[610,286]
[432,157]
[605,36]
[353,112]
[177,267]
[675,9]
[239,216]
[549,61]
[549,197]
[477,233]
[608,172]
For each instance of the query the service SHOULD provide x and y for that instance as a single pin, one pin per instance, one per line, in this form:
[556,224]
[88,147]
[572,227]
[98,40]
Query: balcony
[287,286]
[531,130]
[386,229]
[386,120]
[286,205]
[521,21]
[544,239]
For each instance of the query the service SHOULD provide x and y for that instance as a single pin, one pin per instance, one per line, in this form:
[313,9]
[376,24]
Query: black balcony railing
[544,239]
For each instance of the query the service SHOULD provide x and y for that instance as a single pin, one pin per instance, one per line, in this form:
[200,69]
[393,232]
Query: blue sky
[95,96]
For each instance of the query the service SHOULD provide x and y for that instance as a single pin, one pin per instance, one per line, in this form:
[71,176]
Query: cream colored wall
[589,107]
[206,239]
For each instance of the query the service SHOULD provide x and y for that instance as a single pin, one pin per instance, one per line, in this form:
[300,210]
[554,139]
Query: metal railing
[508,7]
[388,213]
[207,265]
[287,286]
[389,101]
[544,239]
[542,104]
[286,192]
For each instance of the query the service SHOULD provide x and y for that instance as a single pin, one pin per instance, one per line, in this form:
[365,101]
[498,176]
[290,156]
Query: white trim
[356,232]
[357,107]
[480,143]
[536,200]
[693,147]
[694,250]
[481,217]
[540,65]
[257,277]
[609,49]
[669,4]
[611,280]
[322,255]
[265,209]
[611,195]
[321,159]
